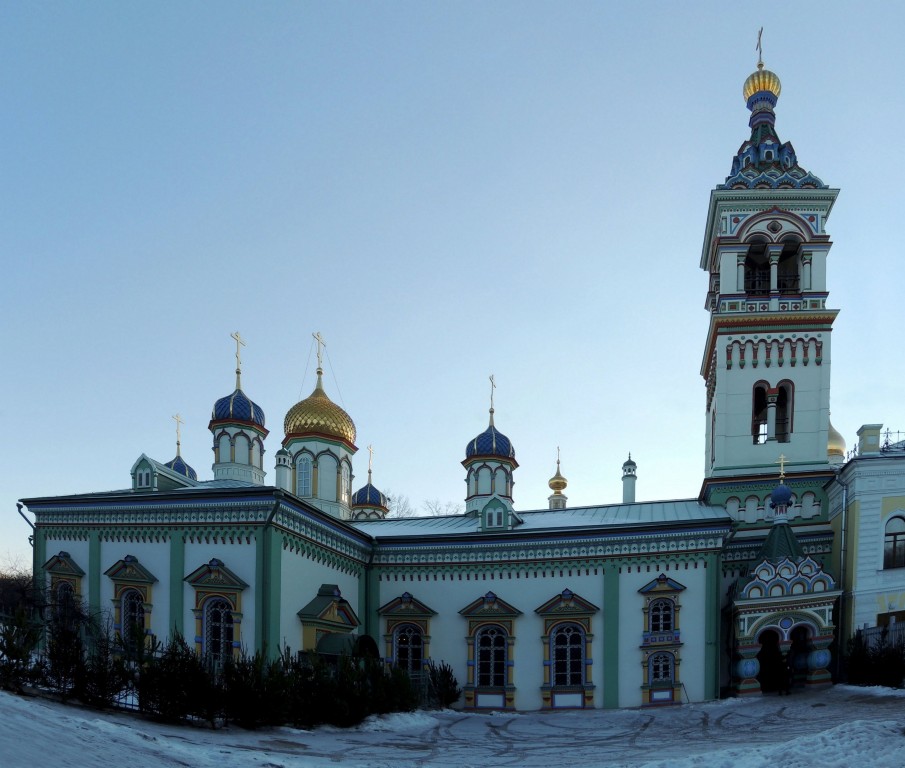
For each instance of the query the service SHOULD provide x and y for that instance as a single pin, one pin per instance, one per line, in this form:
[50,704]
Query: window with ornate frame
[661,641]
[407,637]
[132,603]
[491,642]
[65,588]
[217,610]
[568,647]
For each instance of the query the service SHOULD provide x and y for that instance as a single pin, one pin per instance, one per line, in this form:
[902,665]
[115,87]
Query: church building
[617,605]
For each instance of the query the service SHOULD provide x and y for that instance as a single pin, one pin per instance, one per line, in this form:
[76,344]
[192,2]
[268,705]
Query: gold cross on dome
[370,458]
[320,345]
[492,387]
[782,467]
[557,455]
[179,421]
[240,342]
[760,49]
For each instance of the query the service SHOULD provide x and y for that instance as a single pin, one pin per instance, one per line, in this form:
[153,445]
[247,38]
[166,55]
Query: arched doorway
[772,665]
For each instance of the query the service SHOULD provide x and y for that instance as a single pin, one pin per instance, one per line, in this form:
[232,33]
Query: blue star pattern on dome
[368,496]
[491,442]
[238,406]
[178,465]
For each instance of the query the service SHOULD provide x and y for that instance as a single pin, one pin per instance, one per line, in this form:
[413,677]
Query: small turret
[629,476]
[557,484]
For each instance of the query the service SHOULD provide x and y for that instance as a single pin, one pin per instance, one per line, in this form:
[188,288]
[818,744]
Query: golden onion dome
[557,483]
[318,414]
[835,445]
[761,80]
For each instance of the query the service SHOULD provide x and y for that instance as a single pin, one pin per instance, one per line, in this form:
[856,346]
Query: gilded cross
[240,342]
[320,345]
[557,456]
[760,49]
[492,387]
[782,467]
[179,421]
[370,458]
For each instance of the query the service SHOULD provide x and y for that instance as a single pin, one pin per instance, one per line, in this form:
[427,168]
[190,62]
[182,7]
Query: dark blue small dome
[368,496]
[781,495]
[238,406]
[491,442]
[178,465]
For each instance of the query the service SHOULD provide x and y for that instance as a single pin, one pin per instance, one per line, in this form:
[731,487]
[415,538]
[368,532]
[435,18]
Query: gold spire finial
[760,49]
[178,419]
[370,461]
[557,458]
[782,467]
[320,349]
[492,387]
[240,342]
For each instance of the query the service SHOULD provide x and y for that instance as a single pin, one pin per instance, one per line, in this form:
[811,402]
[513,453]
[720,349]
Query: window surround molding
[661,642]
[213,581]
[567,609]
[128,575]
[485,613]
[405,611]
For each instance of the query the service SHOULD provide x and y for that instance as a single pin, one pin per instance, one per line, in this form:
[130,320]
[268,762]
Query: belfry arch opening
[757,268]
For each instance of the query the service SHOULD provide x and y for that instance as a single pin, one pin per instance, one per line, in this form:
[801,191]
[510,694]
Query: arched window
[492,652]
[345,484]
[784,398]
[303,476]
[132,611]
[241,451]
[757,269]
[567,650]
[894,543]
[408,649]
[759,413]
[662,614]
[661,668]
[218,630]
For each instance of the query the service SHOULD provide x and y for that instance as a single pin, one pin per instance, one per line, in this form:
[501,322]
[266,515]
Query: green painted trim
[369,602]
[712,627]
[611,636]
[260,598]
[274,593]
[94,572]
[177,572]
[39,557]
[268,571]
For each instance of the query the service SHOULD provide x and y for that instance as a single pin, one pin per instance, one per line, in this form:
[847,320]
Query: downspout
[842,554]
[31,539]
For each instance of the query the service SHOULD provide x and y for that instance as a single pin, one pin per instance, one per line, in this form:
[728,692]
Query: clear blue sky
[444,190]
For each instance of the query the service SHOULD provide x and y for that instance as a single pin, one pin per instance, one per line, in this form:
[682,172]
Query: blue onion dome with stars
[369,496]
[238,407]
[491,442]
[764,161]
[180,466]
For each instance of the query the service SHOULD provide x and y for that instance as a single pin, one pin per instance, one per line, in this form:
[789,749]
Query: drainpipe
[31,539]
[842,554]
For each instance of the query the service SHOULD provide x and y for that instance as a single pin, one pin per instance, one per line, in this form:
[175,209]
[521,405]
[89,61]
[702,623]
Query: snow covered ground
[843,726]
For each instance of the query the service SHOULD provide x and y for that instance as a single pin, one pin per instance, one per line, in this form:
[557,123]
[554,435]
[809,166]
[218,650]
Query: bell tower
[766,360]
